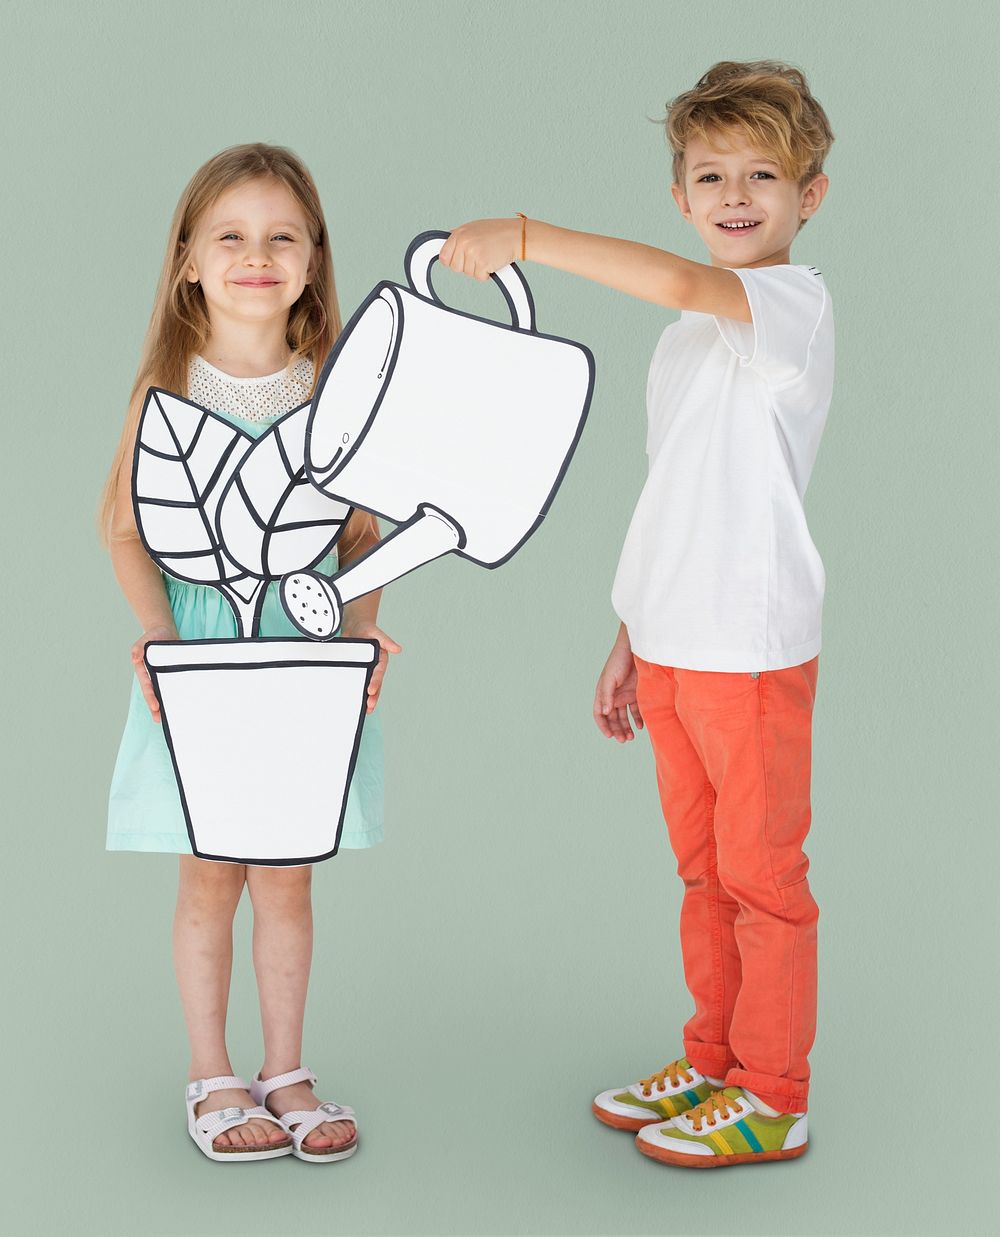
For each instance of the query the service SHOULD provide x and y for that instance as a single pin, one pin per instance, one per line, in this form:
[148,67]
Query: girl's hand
[615,695]
[481,247]
[364,630]
[164,632]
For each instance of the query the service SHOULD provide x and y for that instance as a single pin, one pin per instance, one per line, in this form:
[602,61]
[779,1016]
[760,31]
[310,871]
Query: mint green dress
[144,808]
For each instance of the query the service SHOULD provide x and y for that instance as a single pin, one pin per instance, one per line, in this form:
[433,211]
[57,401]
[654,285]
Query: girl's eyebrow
[234,223]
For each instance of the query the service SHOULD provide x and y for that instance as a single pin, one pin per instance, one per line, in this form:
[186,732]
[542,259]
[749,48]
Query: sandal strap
[261,1088]
[307,1120]
[201,1087]
[214,1123]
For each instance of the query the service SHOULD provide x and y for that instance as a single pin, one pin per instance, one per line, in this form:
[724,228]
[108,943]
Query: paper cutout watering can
[456,428]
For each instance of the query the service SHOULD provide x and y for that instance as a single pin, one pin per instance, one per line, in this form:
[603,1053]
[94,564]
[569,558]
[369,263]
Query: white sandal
[302,1122]
[206,1128]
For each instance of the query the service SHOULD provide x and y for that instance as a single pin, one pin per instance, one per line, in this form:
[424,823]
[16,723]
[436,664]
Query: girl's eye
[235,236]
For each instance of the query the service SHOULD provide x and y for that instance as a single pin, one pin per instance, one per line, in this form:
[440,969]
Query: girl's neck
[247,350]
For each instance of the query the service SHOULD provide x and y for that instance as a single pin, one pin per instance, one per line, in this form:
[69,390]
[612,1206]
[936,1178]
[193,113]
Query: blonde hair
[767,101]
[179,325]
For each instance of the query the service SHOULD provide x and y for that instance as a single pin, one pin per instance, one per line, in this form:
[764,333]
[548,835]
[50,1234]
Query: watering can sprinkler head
[312,603]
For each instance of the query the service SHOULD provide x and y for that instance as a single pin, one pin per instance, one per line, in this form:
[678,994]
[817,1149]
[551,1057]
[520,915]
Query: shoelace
[718,1102]
[673,1071]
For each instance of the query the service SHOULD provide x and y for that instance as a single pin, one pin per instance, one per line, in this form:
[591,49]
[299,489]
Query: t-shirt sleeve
[786,303]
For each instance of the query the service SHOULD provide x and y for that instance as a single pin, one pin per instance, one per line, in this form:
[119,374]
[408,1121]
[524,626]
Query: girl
[245,312]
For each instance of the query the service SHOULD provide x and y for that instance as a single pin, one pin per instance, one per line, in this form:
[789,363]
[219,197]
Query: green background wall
[512,948]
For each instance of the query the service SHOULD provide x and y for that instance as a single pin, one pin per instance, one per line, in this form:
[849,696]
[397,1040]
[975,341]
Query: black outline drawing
[255,516]
[426,531]
[224,498]
[267,648]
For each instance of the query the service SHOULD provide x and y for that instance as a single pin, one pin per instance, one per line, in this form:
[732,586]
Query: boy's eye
[710,175]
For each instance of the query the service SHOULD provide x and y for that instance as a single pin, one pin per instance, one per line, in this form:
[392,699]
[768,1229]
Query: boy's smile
[746,210]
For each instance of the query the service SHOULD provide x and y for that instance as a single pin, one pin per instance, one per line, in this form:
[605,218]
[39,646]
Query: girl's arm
[360,615]
[484,245]
[141,582]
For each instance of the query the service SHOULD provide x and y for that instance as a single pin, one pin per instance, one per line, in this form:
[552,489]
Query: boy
[720,591]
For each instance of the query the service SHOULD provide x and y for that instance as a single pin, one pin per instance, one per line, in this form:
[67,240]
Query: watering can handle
[423,253]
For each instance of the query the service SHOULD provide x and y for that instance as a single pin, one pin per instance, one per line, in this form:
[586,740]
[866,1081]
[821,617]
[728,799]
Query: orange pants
[733,766]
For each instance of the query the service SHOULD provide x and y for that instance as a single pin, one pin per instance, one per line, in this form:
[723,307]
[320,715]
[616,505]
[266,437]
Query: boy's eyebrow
[756,159]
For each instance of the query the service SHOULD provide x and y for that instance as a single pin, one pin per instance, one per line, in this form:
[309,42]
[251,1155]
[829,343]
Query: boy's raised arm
[483,246]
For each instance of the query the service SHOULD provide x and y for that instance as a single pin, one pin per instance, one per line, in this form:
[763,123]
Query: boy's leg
[754,736]
[708,945]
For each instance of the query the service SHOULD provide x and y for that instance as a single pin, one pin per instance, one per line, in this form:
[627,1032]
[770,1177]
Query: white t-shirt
[718,571]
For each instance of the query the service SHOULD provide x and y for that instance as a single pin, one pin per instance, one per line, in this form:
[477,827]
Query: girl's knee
[279,888]
[210,885]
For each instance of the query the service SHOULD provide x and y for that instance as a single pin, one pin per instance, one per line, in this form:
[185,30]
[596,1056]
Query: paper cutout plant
[247,719]
[214,506]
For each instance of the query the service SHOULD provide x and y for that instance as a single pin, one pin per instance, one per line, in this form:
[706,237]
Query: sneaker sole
[679,1158]
[632,1124]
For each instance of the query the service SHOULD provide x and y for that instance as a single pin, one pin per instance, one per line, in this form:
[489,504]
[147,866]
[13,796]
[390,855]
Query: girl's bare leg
[207,896]
[282,954]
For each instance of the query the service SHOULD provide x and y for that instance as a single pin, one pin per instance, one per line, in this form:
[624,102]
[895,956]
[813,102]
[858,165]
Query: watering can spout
[315,602]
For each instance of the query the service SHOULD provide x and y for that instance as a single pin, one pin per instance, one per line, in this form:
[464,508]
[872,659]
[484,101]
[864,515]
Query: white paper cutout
[264,735]
[250,723]
[456,428]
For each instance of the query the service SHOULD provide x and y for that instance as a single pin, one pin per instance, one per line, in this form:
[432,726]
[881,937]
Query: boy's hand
[364,630]
[164,632]
[615,695]
[481,247]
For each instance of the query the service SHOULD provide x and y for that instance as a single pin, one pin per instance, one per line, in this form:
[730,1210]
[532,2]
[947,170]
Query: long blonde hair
[179,325]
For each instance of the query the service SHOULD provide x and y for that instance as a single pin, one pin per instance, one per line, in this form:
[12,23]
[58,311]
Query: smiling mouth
[256,283]
[738,227]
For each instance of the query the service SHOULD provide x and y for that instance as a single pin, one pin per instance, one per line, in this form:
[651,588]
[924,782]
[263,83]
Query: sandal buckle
[231,1112]
[196,1090]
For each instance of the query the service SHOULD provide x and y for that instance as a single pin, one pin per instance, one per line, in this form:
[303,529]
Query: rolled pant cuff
[779,1093]
[714,1059]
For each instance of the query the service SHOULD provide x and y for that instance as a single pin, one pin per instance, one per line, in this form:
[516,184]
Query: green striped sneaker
[725,1129]
[675,1089]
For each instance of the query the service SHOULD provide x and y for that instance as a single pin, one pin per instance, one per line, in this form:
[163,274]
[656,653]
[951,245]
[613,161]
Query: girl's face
[738,184]
[252,253]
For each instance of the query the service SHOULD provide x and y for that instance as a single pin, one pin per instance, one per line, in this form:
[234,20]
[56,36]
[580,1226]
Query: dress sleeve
[786,303]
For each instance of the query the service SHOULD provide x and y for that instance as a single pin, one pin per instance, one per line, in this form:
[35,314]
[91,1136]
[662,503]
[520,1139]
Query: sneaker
[725,1129]
[675,1089]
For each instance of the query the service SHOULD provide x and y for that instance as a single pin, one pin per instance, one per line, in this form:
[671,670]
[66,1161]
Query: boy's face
[252,253]
[732,182]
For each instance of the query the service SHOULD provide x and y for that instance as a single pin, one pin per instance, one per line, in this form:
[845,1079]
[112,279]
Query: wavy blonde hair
[766,101]
[179,325]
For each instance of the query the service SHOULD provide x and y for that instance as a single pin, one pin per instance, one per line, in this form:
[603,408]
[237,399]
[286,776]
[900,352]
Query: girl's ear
[191,274]
[314,261]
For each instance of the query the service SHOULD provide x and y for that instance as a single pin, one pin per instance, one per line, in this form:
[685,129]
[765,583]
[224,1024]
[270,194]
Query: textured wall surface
[512,948]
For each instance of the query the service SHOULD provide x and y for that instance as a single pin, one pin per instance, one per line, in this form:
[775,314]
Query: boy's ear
[813,194]
[681,199]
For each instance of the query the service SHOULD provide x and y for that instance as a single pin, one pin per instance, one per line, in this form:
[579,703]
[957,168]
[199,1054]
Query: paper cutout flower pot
[289,710]
[457,428]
